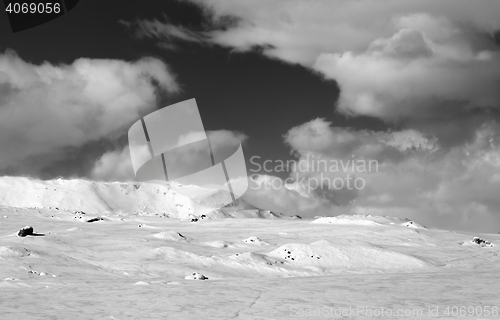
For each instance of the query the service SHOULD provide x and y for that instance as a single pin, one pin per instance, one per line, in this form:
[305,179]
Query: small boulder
[482,242]
[26,231]
[196,276]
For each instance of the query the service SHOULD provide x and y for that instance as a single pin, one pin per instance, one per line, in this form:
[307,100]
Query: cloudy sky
[411,85]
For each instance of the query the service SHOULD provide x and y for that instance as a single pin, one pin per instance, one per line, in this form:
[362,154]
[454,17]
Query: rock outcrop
[26,231]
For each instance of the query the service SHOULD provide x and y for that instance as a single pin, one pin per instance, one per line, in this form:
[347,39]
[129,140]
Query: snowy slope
[116,197]
[136,266]
[95,197]
[368,220]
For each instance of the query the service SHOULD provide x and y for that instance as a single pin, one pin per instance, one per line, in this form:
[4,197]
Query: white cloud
[46,108]
[402,78]
[165,32]
[415,177]
[320,138]
[305,29]
[272,193]
[221,138]
[396,59]
[116,165]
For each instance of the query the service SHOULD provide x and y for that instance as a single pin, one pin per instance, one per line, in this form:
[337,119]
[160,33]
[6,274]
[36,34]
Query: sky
[401,97]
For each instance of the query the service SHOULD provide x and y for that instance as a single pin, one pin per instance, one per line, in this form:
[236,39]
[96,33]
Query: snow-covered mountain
[119,197]
[94,197]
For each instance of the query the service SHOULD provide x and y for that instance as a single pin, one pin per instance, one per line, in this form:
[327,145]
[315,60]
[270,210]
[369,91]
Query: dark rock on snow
[26,231]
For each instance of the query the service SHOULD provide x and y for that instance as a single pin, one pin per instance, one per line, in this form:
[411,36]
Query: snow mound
[171,235]
[143,225]
[181,256]
[218,244]
[13,283]
[344,255]
[364,220]
[413,224]
[196,276]
[288,234]
[344,221]
[229,212]
[251,259]
[14,252]
[256,241]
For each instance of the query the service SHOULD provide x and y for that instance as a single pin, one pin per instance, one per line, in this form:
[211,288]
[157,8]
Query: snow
[138,265]
[255,241]
[85,197]
[364,220]
[196,276]
[332,257]
[413,224]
